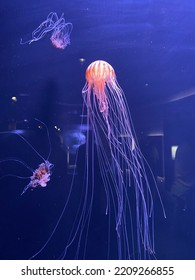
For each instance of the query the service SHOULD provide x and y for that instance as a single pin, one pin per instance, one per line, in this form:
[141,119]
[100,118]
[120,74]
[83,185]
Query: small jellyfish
[40,176]
[60,31]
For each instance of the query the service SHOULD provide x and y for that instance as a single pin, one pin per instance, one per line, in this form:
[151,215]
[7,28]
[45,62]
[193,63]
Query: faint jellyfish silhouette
[61,30]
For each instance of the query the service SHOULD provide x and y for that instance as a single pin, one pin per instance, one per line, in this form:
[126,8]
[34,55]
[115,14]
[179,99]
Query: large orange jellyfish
[128,203]
[127,190]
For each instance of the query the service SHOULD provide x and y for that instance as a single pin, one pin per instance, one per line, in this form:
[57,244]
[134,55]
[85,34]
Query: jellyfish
[41,175]
[128,204]
[60,31]
[128,192]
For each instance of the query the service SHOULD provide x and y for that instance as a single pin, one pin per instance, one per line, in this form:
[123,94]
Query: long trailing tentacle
[48,136]
[18,161]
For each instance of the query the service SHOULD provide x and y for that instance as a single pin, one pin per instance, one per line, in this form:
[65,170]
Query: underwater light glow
[173,151]
[14,98]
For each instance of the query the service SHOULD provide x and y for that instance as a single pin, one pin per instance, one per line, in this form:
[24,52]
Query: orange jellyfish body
[99,72]
[98,75]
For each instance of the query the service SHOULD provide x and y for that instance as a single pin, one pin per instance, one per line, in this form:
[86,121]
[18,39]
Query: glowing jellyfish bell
[128,193]
[98,75]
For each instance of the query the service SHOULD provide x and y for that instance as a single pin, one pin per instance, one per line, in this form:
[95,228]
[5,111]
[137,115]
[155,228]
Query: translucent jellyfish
[123,192]
[60,31]
[128,193]
[41,175]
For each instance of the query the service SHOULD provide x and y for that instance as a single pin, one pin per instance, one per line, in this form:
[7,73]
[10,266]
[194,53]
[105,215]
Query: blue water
[150,44]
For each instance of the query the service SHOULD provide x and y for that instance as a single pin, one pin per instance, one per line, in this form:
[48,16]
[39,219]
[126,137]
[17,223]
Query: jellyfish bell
[98,75]
[60,37]
[98,72]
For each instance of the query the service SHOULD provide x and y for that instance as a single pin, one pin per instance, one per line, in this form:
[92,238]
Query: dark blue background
[150,44]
